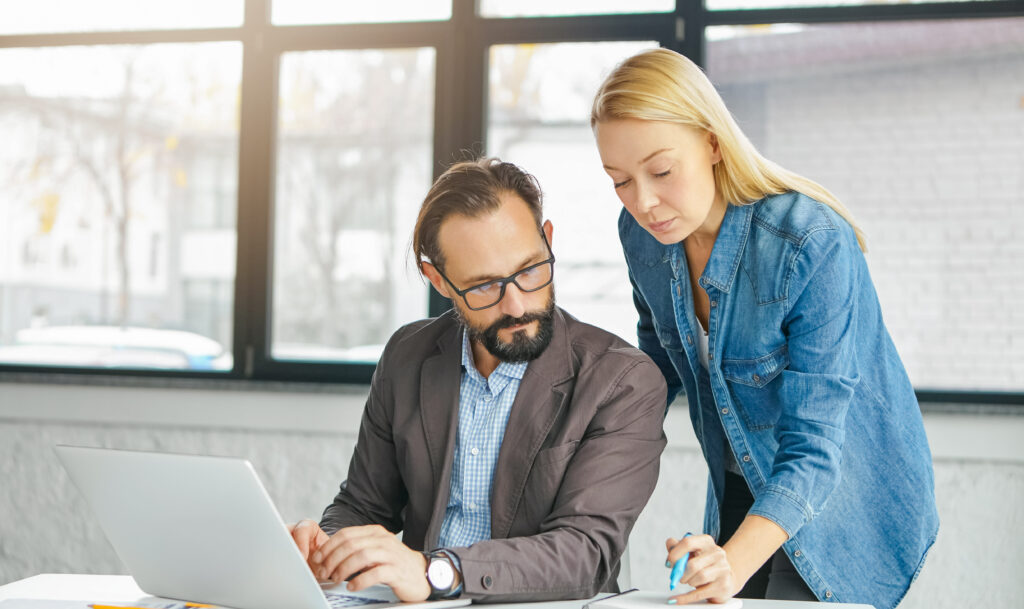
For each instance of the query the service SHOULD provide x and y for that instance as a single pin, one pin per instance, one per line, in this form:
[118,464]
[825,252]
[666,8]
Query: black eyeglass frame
[504,281]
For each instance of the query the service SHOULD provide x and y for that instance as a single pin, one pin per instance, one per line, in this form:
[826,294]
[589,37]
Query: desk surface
[122,589]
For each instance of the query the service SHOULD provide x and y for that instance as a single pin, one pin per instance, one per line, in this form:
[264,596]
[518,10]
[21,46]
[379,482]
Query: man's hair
[471,189]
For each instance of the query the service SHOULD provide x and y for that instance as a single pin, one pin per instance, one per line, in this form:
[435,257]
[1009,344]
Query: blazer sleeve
[374,492]
[818,385]
[606,484]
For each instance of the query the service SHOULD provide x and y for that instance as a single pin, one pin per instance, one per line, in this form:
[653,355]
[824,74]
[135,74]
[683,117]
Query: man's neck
[484,361]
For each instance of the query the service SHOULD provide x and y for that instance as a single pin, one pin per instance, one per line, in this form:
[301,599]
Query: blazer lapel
[535,409]
[440,380]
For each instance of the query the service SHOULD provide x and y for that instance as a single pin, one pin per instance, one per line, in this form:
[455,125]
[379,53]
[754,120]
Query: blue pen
[678,569]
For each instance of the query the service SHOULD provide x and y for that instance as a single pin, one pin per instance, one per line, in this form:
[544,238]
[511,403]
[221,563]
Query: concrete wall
[301,443]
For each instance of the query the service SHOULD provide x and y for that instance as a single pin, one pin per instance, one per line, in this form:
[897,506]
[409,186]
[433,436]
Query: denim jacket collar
[728,250]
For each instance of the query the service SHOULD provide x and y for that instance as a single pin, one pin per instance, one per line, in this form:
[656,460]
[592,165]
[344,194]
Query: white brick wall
[927,151]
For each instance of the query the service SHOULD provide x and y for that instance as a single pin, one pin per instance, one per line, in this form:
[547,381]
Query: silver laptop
[204,529]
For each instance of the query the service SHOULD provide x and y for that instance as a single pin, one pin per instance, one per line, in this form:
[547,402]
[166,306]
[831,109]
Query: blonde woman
[755,299]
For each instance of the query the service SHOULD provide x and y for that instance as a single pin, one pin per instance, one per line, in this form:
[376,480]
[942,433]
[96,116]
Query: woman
[754,298]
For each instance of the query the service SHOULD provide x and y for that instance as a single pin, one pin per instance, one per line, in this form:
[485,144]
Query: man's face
[494,246]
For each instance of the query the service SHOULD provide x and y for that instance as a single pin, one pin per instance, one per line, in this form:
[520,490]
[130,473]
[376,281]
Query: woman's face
[662,173]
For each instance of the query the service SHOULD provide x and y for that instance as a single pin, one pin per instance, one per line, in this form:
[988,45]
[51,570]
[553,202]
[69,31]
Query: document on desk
[150,603]
[648,600]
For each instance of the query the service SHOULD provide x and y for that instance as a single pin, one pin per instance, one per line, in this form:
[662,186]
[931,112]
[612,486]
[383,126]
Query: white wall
[301,443]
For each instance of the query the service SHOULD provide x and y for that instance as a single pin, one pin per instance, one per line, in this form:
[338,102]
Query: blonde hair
[662,85]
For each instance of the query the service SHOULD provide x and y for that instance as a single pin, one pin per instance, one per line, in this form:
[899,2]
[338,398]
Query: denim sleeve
[647,340]
[824,280]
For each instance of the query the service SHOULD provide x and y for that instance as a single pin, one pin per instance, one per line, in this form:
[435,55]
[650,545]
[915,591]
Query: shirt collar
[725,256]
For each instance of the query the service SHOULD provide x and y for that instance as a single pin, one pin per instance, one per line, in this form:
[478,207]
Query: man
[512,442]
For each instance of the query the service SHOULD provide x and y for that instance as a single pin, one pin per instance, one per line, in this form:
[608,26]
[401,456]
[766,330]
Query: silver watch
[440,574]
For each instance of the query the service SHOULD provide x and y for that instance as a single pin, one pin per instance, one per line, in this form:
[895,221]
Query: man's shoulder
[591,344]
[420,337]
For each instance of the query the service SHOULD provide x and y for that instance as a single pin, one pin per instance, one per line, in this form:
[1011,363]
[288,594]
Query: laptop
[204,529]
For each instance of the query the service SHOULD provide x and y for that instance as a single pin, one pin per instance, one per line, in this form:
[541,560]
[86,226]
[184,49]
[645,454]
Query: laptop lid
[204,529]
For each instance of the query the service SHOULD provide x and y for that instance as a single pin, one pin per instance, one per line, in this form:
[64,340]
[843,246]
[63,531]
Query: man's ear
[549,231]
[435,278]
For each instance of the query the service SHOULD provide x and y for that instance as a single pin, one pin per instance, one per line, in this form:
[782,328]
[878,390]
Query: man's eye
[487,288]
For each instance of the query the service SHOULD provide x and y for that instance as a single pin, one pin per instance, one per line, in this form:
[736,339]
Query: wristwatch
[440,574]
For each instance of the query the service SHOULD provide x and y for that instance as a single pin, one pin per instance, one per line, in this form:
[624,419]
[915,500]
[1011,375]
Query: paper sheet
[650,600]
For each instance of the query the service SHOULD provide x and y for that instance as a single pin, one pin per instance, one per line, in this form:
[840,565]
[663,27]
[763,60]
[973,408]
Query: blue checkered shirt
[484,406]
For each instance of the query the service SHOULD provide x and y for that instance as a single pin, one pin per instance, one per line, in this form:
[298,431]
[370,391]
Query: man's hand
[369,555]
[308,536]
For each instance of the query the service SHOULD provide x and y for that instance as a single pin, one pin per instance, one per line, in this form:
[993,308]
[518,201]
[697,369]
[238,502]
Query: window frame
[462,45]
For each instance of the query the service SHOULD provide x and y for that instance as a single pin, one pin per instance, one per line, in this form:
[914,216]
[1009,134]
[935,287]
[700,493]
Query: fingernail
[668,565]
[671,601]
[317,557]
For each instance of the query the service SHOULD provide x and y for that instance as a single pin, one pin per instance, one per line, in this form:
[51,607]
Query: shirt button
[757,378]
[474,451]
[828,594]
[472,505]
[487,581]
[487,398]
[714,303]
[798,554]
[725,411]
[746,458]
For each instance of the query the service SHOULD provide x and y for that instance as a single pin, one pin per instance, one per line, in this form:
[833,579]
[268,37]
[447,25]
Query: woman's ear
[716,151]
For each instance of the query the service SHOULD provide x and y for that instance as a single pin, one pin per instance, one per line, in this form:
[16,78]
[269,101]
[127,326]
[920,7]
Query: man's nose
[514,302]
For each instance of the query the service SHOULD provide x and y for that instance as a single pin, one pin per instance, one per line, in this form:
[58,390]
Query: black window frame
[462,45]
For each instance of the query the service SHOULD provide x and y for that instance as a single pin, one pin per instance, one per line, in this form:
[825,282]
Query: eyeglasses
[530,279]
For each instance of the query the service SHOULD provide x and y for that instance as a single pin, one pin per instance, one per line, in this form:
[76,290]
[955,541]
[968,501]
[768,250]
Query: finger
[380,574]
[345,536]
[691,597]
[333,553]
[711,563]
[690,545]
[360,561]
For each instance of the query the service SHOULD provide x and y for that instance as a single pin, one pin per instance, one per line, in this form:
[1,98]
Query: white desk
[122,589]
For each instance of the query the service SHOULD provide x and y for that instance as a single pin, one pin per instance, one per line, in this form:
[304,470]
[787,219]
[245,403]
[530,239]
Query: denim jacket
[809,392]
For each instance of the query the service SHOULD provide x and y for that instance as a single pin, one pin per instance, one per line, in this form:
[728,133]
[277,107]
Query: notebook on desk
[204,529]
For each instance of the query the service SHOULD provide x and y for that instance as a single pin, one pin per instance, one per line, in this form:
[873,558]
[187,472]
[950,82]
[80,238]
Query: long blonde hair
[662,85]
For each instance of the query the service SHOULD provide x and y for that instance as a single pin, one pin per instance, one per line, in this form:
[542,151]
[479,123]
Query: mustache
[507,321]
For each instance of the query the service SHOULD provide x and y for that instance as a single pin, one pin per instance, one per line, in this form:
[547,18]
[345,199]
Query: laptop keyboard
[337,601]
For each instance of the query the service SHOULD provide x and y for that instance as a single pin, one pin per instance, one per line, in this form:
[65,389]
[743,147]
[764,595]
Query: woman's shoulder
[793,217]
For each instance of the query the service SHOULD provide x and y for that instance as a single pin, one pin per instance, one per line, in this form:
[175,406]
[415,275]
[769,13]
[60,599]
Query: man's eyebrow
[645,159]
[478,279]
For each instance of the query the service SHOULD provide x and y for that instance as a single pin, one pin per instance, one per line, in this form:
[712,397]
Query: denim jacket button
[689,339]
[746,458]
[798,553]
[828,594]
[679,290]
[757,378]
[714,303]
[725,411]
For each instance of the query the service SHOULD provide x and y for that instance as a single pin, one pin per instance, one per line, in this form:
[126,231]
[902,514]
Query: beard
[523,347]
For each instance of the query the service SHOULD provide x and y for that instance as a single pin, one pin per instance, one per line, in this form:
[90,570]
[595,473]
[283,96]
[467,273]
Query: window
[228,189]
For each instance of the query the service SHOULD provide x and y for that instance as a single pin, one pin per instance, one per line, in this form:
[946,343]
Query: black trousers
[777,578]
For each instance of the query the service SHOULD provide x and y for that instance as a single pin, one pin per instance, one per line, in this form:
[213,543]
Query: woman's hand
[708,570]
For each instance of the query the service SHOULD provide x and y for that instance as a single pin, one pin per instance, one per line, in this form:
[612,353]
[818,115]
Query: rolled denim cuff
[783,507]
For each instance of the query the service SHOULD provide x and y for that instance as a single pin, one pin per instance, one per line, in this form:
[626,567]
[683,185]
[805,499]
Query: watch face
[440,574]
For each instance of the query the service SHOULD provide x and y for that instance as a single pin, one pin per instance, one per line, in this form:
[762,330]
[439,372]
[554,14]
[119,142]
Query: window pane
[721,5]
[546,8]
[54,16]
[539,118]
[109,156]
[918,127]
[355,143]
[300,12]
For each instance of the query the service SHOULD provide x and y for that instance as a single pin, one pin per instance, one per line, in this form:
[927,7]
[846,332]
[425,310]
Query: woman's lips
[660,227]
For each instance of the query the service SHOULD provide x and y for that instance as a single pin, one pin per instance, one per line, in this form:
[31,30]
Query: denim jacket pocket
[753,385]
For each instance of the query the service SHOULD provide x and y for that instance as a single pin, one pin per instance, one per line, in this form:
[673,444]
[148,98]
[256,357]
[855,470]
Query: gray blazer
[578,462]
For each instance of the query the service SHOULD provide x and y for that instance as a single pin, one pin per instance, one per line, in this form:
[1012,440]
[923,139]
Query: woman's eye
[620,184]
[663,174]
